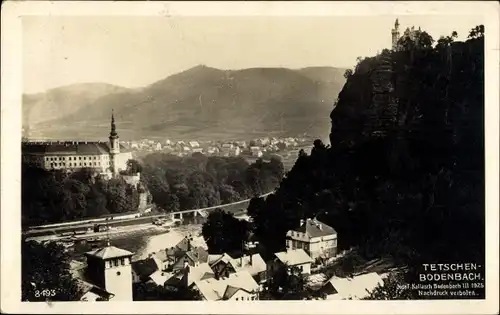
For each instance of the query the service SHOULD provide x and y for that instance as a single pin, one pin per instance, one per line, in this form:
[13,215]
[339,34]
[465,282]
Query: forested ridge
[199,181]
[404,175]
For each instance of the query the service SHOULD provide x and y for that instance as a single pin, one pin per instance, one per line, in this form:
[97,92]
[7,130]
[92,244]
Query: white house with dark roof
[105,157]
[314,237]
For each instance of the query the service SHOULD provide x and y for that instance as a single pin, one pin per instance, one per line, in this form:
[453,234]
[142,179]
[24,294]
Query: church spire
[113,126]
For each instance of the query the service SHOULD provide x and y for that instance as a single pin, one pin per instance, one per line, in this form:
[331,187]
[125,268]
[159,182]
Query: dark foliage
[404,176]
[45,274]
[200,181]
[56,196]
[223,233]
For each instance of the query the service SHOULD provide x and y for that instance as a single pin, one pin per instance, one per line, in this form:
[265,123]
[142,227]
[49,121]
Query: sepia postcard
[250,157]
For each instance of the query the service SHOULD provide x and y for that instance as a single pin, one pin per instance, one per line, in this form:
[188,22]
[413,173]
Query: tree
[348,74]
[288,282]
[256,206]
[477,32]
[133,167]
[45,273]
[444,42]
[223,233]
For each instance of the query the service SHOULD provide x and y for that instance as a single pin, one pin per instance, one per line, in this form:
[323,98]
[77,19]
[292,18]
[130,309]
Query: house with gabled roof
[188,275]
[254,264]
[316,238]
[238,286]
[143,269]
[355,288]
[296,258]
[193,257]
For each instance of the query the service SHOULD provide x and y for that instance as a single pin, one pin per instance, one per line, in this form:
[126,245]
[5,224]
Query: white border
[11,136]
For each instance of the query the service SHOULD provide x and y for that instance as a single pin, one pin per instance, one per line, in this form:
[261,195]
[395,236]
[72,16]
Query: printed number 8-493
[45,293]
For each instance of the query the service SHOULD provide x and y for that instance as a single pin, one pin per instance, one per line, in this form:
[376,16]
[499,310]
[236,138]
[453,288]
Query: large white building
[315,238]
[105,157]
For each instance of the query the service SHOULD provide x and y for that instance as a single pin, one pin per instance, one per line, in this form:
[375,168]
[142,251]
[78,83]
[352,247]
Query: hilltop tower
[109,269]
[114,146]
[395,35]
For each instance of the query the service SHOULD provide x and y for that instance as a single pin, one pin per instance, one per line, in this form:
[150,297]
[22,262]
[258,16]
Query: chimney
[251,260]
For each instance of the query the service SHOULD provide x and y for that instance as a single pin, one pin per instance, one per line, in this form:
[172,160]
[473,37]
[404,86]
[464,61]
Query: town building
[355,288]
[229,149]
[296,258]
[253,264]
[144,268]
[188,275]
[256,151]
[106,158]
[107,274]
[238,286]
[315,238]
[224,265]
[193,257]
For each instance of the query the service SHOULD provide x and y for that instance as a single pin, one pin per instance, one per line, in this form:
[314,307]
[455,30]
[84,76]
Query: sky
[139,50]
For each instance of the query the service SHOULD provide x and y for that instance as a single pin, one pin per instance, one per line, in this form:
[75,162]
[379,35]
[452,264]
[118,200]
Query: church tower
[114,146]
[109,269]
[395,35]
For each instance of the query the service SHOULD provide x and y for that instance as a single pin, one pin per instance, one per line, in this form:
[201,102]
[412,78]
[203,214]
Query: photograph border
[11,84]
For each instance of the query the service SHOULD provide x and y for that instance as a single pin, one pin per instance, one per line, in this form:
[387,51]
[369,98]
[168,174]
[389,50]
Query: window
[118,273]
[122,261]
[236,299]
[116,262]
[79,157]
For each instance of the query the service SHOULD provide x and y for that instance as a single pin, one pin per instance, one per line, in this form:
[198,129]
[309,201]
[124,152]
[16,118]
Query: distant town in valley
[186,202]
